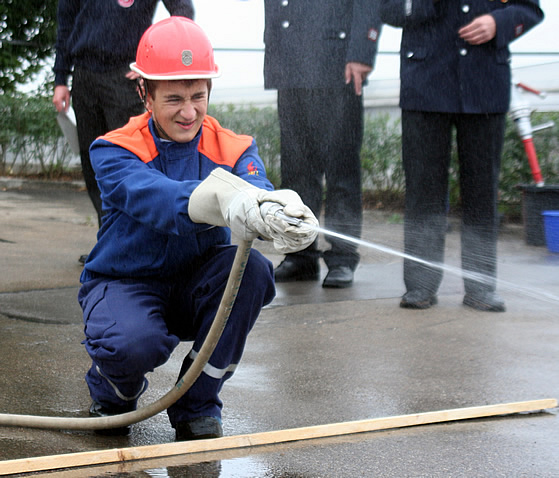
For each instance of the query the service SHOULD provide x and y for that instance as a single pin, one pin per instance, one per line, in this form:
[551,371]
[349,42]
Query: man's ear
[143,91]
[148,102]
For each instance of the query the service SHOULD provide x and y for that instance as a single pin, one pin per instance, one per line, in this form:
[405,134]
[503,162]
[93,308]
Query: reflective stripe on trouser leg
[214,372]
[256,290]
[118,393]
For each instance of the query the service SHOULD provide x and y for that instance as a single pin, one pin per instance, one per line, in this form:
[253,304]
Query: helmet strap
[160,131]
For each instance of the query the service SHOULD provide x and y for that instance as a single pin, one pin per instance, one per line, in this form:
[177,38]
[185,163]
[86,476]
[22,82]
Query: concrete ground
[315,356]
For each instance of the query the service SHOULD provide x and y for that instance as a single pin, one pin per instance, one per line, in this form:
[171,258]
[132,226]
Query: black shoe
[418,299]
[485,301]
[297,269]
[98,410]
[338,277]
[82,259]
[200,428]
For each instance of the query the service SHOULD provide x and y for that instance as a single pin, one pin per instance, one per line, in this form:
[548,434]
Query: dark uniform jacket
[308,42]
[439,71]
[103,35]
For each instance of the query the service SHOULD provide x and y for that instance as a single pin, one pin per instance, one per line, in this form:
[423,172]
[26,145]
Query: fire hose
[185,382]
[180,388]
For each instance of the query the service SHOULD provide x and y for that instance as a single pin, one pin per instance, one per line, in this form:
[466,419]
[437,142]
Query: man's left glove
[224,199]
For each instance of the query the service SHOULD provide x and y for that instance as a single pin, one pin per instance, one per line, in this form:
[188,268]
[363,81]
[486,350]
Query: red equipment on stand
[520,112]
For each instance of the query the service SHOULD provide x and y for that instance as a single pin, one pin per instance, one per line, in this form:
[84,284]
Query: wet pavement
[316,356]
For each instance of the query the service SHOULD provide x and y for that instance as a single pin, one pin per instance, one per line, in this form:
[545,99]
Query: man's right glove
[224,199]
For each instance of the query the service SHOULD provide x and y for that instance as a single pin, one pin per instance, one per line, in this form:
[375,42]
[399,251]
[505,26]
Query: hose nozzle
[276,209]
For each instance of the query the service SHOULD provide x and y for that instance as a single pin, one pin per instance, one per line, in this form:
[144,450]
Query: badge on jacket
[372,34]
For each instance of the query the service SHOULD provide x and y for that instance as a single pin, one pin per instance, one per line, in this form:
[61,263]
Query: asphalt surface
[315,356]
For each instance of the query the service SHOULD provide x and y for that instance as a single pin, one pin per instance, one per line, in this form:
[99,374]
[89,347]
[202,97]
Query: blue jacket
[440,72]
[309,42]
[145,187]
[103,35]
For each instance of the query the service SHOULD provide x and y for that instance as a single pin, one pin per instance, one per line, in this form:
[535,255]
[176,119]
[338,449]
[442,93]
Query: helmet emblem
[187,57]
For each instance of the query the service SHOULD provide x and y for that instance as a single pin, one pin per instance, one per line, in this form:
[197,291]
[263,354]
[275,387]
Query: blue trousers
[132,325]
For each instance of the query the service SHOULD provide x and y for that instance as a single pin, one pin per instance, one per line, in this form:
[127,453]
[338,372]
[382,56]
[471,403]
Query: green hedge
[30,138]
[383,176]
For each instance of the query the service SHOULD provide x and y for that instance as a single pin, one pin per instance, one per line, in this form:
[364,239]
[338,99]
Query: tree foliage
[27,36]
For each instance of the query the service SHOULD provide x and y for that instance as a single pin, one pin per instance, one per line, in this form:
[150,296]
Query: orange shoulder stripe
[135,137]
[221,145]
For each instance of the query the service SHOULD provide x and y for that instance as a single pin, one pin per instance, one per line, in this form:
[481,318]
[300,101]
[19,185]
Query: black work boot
[200,428]
[98,410]
[485,301]
[338,277]
[418,299]
[297,268]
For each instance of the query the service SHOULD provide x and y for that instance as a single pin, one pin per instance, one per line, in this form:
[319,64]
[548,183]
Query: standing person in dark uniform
[454,73]
[318,56]
[96,42]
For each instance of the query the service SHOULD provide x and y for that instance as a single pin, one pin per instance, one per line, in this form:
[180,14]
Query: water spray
[475,276]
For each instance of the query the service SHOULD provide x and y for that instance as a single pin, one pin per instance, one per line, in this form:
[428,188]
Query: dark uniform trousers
[321,136]
[102,102]
[426,149]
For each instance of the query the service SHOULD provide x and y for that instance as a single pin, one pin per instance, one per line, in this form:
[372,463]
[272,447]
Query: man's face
[178,108]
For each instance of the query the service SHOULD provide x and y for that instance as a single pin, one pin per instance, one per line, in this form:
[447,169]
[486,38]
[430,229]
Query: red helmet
[175,49]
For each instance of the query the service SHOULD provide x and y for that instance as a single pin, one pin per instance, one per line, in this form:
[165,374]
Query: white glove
[224,199]
[288,237]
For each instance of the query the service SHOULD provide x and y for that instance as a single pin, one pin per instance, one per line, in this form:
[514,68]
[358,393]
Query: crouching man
[174,184]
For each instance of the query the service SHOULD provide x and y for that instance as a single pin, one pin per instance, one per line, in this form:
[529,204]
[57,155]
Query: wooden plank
[117,455]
